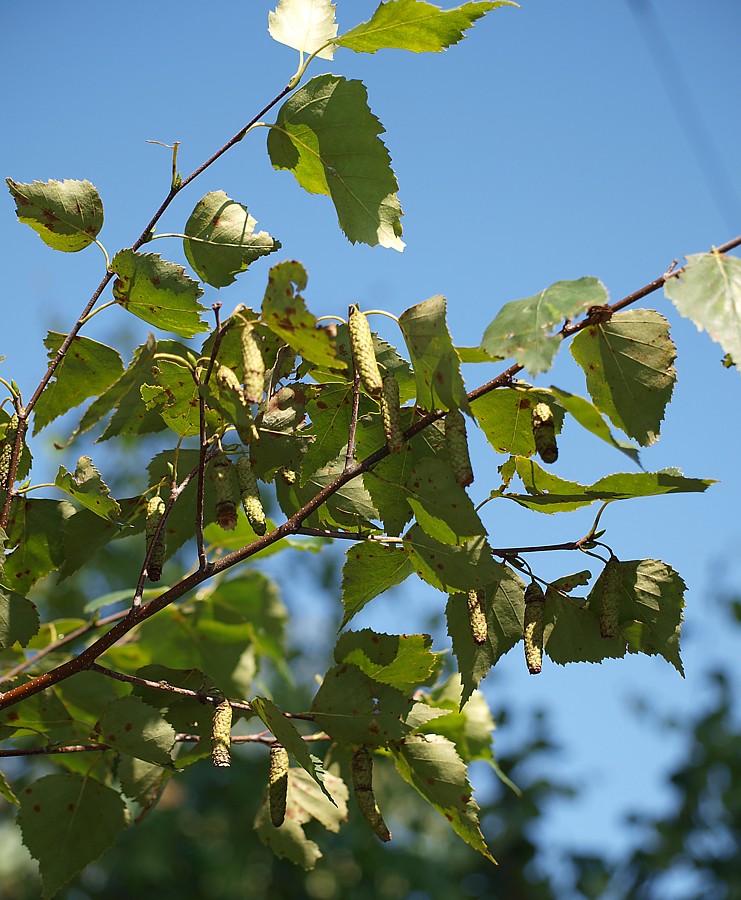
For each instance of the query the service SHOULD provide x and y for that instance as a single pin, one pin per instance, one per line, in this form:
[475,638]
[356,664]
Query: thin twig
[352,428]
[348,535]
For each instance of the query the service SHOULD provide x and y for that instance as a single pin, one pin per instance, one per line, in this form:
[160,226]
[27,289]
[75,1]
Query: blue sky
[545,147]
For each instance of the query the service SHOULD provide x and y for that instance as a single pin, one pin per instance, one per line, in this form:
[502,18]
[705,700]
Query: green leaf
[221,240]
[355,709]
[132,726]
[370,569]
[88,488]
[650,608]
[442,507]
[284,312]
[571,633]
[589,417]
[505,610]
[403,661]
[549,494]
[43,714]
[469,727]
[350,506]
[83,533]
[522,329]
[67,822]
[628,363]
[434,359]
[175,397]
[505,417]
[67,215]
[185,714]
[304,802]
[88,370]
[330,411]
[140,780]
[708,292]
[415,25]
[286,734]
[451,568]
[19,619]
[35,531]
[158,291]
[387,481]
[328,137]
[432,766]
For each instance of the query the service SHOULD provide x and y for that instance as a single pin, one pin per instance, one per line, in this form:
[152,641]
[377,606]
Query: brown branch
[136,616]
[167,688]
[48,751]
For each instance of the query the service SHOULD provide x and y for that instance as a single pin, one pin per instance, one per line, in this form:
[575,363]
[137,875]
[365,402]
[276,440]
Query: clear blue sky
[544,147]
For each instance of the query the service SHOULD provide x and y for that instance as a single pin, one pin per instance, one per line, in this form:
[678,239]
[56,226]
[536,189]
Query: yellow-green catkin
[221,735]
[253,365]
[6,453]
[155,511]
[250,495]
[362,784]
[391,413]
[363,353]
[544,433]
[477,615]
[289,476]
[609,615]
[533,632]
[278,784]
[227,379]
[224,495]
[457,443]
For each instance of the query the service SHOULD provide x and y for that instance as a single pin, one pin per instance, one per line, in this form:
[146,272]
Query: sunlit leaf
[304,25]
[370,569]
[415,25]
[88,488]
[221,240]
[328,137]
[158,291]
[67,215]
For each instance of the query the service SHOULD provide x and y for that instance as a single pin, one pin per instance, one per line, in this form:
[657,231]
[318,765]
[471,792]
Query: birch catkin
[391,414]
[363,354]
[544,433]
[253,365]
[278,784]
[250,494]
[155,511]
[533,631]
[221,735]
[457,443]
[362,783]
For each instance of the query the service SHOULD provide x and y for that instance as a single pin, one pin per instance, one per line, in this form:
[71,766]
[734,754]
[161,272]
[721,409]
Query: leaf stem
[95,312]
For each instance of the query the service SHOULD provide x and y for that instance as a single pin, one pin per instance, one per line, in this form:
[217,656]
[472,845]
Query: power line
[688,113]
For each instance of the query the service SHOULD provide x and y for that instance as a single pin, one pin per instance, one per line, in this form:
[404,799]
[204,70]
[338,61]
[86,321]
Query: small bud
[533,632]
[457,443]
[278,784]
[544,433]
[609,616]
[477,616]
[253,366]
[250,495]
[363,353]
[221,735]
[226,506]
[391,413]
[362,784]
[155,511]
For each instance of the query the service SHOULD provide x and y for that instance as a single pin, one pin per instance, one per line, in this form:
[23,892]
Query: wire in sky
[689,115]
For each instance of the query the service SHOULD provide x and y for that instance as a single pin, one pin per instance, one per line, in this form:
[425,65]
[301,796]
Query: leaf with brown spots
[221,240]
[403,661]
[434,359]
[68,821]
[505,417]
[430,763]
[88,370]
[628,363]
[158,291]
[131,726]
[66,215]
[442,507]
[88,488]
[370,569]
